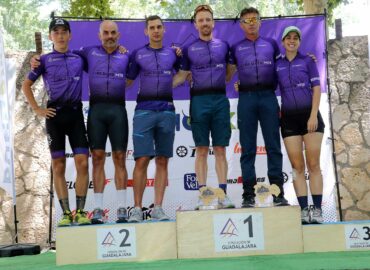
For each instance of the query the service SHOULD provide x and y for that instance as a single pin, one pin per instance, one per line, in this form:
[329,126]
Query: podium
[239,232]
[339,236]
[145,241]
[209,234]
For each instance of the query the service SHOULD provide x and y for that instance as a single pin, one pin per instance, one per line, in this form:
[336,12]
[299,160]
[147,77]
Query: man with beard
[207,59]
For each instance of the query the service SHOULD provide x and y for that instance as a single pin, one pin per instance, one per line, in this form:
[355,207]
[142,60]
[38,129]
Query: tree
[318,6]
[88,8]
[19,19]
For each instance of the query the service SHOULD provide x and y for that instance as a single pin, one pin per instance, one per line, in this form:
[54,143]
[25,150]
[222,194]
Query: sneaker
[66,220]
[280,201]
[316,215]
[226,203]
[248,201]
[121,215]
[305,215]
[81,218]
[199,205]
[158,213]
[97,216]
[136,215]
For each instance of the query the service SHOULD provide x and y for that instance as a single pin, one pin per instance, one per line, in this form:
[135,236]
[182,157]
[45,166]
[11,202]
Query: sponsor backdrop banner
[182,187]
[7,90]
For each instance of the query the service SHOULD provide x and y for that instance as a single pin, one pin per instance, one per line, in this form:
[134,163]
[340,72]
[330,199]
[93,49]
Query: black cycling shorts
[107,119]
[68,121]
[296,124]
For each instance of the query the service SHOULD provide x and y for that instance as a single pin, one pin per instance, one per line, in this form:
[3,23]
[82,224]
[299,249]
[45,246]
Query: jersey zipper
[68,76]
[108,75]
[255,56]
[290,81]
[156,60]
[210,63]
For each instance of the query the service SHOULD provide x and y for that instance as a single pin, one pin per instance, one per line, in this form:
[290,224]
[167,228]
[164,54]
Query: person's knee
[313,166]
[298,168]
[161,162]
[59,166]
[98,158]
[219,151]
[82,164]
[202,152]
[119,157]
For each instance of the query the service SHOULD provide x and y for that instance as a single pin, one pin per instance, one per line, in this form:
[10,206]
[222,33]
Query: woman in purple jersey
[301,122]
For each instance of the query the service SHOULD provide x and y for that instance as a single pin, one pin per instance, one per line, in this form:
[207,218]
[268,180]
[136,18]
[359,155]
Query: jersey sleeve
[313,72]
[228,58]
[232,59]
[277,53]
[133,67]
[185,62]
[33,75]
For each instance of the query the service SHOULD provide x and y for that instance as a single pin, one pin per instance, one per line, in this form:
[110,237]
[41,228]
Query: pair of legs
[108,120]
[69,121]
[140,178]
[295,134]
[294,147]
[153,136]
[262,107]
[59,167]
[201,164]
[210,114]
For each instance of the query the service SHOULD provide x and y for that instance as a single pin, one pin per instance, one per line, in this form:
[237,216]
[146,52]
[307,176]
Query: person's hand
[47,113]
[236,86]
[122,49]
[313,57]
[35,61]
[178,50]
[312,124]
[189,78]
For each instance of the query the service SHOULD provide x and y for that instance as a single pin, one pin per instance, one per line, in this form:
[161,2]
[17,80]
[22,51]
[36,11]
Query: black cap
[59,22]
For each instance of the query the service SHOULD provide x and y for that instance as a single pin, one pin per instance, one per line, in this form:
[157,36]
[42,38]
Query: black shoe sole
[121,220]
[95,221]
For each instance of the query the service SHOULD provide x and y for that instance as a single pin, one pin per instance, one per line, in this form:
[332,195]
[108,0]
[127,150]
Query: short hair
[152,18]
[248,11]
[202,8]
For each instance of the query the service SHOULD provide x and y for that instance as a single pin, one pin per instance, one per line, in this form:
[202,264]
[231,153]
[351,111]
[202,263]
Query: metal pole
[334,157]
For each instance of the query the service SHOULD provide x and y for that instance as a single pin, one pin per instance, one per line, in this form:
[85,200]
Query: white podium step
[116,242]
[341,236]
[239,232]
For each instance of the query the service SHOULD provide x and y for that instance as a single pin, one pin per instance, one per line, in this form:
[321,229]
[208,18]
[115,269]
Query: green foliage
[331,5]
[19,20]
[88,8]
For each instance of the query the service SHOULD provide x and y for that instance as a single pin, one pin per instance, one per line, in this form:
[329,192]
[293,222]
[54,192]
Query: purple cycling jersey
[107,74]
[255,62]
[207,61]
[296,79]
[62,75]
[156,69]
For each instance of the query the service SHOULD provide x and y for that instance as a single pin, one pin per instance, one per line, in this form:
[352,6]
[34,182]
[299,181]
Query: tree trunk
[314,6]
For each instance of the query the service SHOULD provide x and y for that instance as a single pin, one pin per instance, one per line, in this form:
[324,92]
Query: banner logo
[190,181]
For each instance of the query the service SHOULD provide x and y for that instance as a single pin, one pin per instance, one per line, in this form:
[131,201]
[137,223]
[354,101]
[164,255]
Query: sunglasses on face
[203,8]
[250,20]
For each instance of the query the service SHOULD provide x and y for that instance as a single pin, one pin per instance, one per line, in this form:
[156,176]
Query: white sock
[121,197]
[98,197]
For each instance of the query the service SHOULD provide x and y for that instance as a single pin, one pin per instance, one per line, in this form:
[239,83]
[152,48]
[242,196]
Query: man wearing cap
[107,69]
[254,57]
[207,59]
[62,74]
[154,119]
